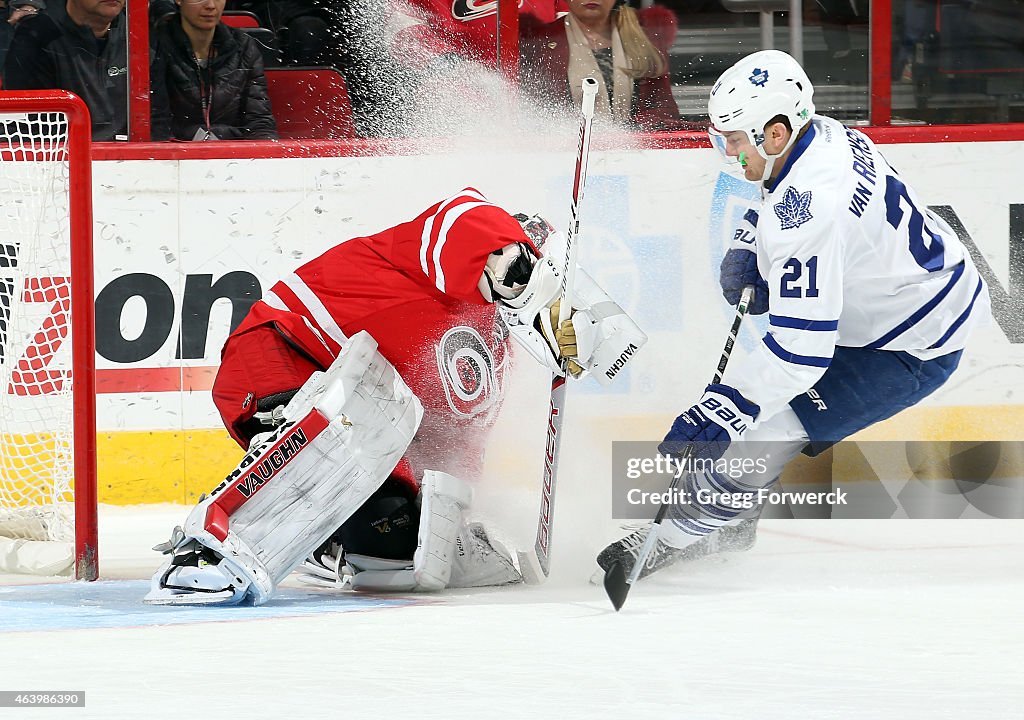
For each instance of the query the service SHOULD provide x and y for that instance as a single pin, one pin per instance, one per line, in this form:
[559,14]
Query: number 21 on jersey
[800,279]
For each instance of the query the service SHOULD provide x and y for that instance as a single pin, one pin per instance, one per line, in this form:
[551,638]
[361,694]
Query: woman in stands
[215,77]
[606,39]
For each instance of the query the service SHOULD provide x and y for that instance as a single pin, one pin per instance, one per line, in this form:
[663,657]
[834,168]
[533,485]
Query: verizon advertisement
[183,249]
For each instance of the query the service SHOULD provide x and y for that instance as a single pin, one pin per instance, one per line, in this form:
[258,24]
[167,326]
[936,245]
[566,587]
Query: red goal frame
[79,150]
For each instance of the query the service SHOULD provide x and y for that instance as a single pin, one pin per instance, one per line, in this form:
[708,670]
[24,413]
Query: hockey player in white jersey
[870,296]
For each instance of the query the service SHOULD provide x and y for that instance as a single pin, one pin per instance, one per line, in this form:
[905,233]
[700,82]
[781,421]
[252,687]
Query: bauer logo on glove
[720,417]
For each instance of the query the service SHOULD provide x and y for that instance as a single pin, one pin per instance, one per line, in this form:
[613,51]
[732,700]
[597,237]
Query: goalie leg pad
[443,500]
[343,433]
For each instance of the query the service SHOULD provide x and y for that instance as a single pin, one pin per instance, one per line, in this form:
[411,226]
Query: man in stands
[85,52]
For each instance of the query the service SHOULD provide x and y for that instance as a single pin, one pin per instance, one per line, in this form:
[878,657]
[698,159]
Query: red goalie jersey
[414,288]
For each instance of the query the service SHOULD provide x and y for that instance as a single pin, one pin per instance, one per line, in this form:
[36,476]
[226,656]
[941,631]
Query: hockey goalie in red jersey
[362,387]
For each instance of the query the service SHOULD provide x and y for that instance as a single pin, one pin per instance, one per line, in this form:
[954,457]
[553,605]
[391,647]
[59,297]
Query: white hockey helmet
[758,88]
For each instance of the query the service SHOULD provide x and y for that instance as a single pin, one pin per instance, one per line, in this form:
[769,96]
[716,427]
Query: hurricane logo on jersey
[759,77]
[795,208]
[466,10]
[467,369]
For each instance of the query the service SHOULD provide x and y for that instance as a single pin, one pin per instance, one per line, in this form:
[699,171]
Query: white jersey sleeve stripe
[921,312]
[274,301]
[812,360]
[428,226]
[795,323]
[960,320]
[450,217]
[315,308]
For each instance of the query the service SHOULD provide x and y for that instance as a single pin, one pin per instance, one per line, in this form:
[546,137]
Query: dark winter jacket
[49,54]
[234,85]
[544,71]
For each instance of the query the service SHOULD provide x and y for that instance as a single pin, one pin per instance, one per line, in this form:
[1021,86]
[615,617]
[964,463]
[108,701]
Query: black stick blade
[616,586]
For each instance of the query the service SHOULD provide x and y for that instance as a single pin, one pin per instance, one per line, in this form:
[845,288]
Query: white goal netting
[36,368]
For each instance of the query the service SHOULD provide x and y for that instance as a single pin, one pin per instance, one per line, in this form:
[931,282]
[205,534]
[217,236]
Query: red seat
[310,102]
[240,19]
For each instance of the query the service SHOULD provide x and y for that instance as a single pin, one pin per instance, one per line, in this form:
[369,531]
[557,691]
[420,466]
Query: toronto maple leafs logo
[759,77]
[795,208]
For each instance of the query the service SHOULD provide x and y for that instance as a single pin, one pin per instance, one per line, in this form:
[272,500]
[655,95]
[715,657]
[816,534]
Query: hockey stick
[616,582]
[536,564]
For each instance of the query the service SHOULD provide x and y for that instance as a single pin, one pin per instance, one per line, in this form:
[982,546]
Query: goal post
[48,503]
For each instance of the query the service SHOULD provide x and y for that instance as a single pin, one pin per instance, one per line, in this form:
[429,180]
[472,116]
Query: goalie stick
[536,564]
[616,582]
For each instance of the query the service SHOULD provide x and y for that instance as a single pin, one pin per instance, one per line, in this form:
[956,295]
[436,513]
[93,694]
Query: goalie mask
[747,96]
[508,270]
[536,228]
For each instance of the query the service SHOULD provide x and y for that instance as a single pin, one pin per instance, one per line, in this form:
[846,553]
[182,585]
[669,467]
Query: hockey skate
[731,538]
[482,561]
[194,575]
[479,561]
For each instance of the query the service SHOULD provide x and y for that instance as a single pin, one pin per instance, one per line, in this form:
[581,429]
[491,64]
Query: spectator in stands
[431,32]
[85,52]
[610,41]
[214,77]
[916,17]
[839,20]
[21,9]
[14,12]
[300,27]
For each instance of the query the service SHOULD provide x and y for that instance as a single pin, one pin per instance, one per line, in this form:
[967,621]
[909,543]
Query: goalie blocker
[598,339]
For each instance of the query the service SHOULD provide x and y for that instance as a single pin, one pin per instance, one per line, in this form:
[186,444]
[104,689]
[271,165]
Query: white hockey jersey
[853,258]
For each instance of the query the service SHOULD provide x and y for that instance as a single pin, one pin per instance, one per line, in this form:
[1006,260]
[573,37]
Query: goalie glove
[602,338]
[565,339]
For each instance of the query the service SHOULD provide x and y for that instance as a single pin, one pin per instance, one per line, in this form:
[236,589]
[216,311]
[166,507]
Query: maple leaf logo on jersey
[759,77]
[795,208]
[466,10]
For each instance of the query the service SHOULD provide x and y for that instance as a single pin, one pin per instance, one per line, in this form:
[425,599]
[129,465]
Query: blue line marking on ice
[118,604]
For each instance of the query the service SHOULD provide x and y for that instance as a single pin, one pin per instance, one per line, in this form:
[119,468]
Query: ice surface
[822,619]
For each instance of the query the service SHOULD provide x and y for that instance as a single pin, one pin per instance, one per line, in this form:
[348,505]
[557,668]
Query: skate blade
[168,597]
[616,585]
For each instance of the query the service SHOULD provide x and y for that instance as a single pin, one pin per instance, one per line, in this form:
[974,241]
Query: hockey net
[47,387]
